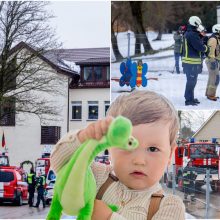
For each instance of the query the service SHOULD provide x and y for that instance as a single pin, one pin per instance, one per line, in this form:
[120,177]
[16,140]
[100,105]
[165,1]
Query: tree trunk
[137,45]
[114,42]
[159,36]
[138,21]
[1,5]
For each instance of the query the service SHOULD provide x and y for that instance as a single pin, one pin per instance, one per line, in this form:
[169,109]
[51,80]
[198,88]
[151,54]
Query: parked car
[50,176]
[13,185]
[103,159]
[49,191]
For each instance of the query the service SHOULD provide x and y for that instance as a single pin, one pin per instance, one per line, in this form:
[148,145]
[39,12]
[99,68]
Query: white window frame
[76,103]
[92,103]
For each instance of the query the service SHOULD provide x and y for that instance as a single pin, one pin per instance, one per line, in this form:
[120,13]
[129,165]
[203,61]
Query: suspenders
[155,198]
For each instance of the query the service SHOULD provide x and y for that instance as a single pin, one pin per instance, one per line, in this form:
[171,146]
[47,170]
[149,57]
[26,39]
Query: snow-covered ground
[161,65]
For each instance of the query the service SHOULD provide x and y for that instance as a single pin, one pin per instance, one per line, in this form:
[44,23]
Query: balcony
[90,84]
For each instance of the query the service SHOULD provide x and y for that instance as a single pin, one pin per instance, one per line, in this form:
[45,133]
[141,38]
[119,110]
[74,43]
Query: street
[198,208]
[10,211]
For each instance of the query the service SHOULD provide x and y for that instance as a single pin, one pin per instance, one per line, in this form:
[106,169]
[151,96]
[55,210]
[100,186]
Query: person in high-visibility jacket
[189,177]
[41,181]
[193,47]
[31,180]
[212,62]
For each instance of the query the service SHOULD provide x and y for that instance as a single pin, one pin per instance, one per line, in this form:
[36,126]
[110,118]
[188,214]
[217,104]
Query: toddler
[134,175]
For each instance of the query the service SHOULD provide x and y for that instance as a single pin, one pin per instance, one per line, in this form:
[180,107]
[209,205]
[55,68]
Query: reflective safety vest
[43,180]
[30,178]
[193,47]
[186,57]
[185,178]
[189,176]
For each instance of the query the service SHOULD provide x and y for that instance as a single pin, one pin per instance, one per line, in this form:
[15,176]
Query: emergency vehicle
[13,185]
[203,155]
[43,163]
[4,160]
[43,166]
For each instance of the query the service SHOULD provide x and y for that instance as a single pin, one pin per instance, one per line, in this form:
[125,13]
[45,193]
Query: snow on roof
[69,65]
[97,60]
[70,58]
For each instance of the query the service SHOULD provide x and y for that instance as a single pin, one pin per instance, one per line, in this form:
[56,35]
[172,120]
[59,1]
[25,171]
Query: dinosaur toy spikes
[75,188]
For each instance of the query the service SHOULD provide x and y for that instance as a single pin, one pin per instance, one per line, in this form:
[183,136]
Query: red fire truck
[43,163]
[204,155]
[4,160]
[42,166]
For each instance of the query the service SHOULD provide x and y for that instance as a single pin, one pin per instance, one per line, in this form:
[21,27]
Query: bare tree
[186,132]
[128,16]
[156,15]
[191,121]
[136,10]
[115,17]
[1,5]
[24,78]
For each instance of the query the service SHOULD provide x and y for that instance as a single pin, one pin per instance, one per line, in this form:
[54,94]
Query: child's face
[144,166]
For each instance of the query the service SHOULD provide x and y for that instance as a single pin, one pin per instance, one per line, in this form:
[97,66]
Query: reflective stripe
[44,180]
[186,182]
[192,60]
[181,48]
[186,48]
[30,176]
[186,59]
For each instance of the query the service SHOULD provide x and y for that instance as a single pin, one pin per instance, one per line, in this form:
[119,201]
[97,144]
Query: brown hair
[145,107]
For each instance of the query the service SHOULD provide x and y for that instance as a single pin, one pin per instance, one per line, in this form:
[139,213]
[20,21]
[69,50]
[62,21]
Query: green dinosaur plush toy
[75,188]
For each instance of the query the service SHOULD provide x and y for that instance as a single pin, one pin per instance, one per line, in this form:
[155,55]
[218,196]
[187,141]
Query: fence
[205,190]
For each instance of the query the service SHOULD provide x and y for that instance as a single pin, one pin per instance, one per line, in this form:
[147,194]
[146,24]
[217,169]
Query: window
[107,73]
[88,73]
[98,73]
[94,73]
[107,104]
[93,110]
[50,134]
[6,176]
[7,112]
[76,110]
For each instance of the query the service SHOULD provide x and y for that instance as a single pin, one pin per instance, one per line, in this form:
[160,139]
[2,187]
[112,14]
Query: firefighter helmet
[196,22]
[216,28]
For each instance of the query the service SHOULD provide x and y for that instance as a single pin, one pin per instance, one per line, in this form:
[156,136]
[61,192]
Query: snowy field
[161,66]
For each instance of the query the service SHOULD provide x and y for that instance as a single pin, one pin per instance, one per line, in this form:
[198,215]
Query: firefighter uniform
[31,180]
[189,177]
[212,62]
[193,47]
[41,181]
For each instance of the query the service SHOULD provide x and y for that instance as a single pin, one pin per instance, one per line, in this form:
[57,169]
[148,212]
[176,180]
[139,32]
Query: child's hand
[95,130]
[101,211]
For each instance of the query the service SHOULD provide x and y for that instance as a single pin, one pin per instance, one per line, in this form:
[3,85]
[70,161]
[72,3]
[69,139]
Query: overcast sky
[82,24]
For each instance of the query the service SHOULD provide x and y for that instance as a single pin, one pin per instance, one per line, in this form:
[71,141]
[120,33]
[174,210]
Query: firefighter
[41,181]
[178,38]
[189,177]
[212,62]
[193,46]
[31,180]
